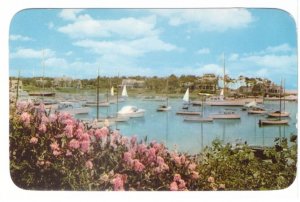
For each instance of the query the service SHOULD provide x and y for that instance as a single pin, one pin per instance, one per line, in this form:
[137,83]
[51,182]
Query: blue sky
[148,42]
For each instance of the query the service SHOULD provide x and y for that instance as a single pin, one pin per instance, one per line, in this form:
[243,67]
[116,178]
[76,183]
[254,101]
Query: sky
[154,42]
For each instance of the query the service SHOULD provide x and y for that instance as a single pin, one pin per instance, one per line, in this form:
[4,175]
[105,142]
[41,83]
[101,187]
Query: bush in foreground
[57,152]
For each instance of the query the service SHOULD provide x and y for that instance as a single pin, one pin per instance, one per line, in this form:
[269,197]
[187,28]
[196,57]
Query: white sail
[124,92]
[251,104]
[222,94]
[186,96]
[112,93]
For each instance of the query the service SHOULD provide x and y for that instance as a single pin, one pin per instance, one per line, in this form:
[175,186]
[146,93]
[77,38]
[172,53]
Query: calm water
[169,128]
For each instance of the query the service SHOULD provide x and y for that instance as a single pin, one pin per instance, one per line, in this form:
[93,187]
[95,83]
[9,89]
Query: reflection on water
[190,137]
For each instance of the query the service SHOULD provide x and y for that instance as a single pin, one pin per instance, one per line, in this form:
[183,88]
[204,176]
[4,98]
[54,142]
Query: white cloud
[280,48]
[50,25]
[56,62]
[69,14]
[273,61]
[85,26]
[128,48]
[19,38]
[203,51]
[208,19]
[31,53]
[233,57]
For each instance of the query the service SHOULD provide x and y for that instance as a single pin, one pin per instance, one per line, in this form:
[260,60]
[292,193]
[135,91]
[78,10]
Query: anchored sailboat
[165,107]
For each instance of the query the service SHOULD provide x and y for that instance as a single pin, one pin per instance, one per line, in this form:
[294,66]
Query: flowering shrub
[57,152]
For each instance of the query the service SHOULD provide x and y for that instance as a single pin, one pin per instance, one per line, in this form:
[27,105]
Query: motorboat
[162,108]
[131,111]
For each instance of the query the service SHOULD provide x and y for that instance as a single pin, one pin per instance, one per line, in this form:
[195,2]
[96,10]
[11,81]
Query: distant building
[133,83]
[40,82]
[13,85]
[62,82]
[207,83]
[273,90]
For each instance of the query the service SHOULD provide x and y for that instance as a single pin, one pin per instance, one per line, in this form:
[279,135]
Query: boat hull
[225,116]
[273,122]
[188,113]
[198,119]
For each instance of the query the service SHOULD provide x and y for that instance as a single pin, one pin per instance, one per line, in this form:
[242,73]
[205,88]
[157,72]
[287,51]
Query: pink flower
[181,184]
[52,118]
[69,131]
[118,183]
[160,160]
[68,153]
[138,166]
[127,158]
[211,179]
[177,177]
[182,159]
[102,133]
[42,128]
[69,121]
[195,175]
[85,146]
[25,118]
[74,144]
[177,160]
[133,140]
[89,164]
[33,140]
[173,186]
[141,148]
[192,166]
[222,186]
[56,153]
[45,120]
[54,146]
[79,133]
[85,137]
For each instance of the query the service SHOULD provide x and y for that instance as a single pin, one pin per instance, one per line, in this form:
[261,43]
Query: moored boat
[225,115]
[198,119]
[131,111]
[273,122]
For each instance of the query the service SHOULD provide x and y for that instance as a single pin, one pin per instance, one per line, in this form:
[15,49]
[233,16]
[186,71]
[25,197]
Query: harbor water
[192,137]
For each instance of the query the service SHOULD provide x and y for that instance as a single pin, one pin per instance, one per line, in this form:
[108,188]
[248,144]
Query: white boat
[131,111]
[94,104]
[186,99]
[278,114]
[72,108]
[225,115]
[256,110]
[124,92]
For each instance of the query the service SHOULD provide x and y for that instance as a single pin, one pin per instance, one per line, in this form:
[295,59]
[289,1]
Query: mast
[224,83]
[98,95]
[43,86]
[284,95]
[280,96]
[167,92]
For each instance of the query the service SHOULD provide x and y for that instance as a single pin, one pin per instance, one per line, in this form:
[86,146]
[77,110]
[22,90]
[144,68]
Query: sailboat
[201,118]
[186,100]
[280,113]
[277,115]
[165,107]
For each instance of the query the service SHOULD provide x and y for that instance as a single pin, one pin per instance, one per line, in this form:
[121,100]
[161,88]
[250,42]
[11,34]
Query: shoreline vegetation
[57,152]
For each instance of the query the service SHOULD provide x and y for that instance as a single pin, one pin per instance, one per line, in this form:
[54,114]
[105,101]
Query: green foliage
[243,168]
